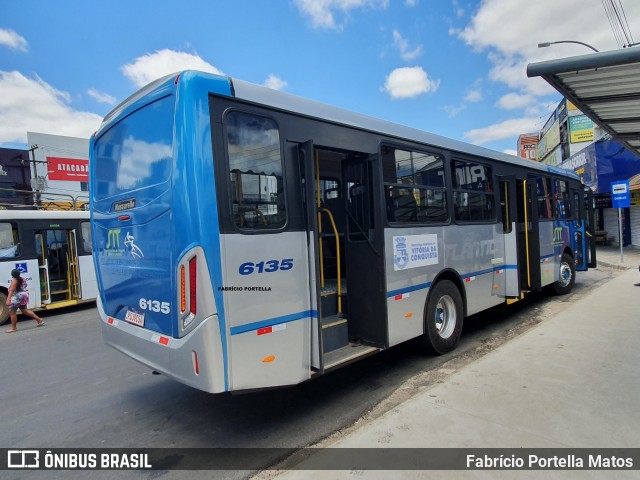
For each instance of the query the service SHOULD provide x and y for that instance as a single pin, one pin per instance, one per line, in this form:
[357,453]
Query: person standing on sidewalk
[18,298]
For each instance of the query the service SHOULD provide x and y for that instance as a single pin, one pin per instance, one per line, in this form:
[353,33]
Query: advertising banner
[69,169]
[581,128]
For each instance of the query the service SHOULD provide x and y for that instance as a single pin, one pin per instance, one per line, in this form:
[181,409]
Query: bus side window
[9,245]
[256,171]
[473,197]
[504,206]
[563,203]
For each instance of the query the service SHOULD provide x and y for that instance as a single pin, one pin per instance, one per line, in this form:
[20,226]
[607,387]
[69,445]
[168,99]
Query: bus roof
[258,94]
[44,215]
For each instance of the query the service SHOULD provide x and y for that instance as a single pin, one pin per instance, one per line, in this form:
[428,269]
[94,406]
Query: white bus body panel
[30,272]
[548,271]
[415,257]
[88,281]
[267,313]
[512,279]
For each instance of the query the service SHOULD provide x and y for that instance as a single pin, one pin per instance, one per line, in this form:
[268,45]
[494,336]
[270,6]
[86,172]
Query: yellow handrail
[335,233]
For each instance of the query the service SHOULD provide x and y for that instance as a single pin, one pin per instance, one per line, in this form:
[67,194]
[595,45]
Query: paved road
[61,387]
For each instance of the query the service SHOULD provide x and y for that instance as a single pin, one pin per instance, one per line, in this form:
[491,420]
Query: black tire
[4,310]
[443,317]
[567,275]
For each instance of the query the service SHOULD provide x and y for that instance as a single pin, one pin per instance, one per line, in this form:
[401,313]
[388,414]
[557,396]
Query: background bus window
[9,246]
[85,237]
[255,167]
[473,198]
[414,186]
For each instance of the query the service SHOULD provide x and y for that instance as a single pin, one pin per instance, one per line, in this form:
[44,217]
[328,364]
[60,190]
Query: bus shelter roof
[605,86]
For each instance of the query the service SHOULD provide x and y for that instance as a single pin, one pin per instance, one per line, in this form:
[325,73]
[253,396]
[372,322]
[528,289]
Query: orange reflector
[110,321]
[164,340]
[183,291]
[196,366]
[268,359]
[408,315]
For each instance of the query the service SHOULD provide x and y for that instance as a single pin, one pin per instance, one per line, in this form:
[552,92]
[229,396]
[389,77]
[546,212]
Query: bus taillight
[183,293]
[192,284]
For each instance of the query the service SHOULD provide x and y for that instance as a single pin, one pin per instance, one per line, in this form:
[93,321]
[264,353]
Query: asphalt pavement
[570,382]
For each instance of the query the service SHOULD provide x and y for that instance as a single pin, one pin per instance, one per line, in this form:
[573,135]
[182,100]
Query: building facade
[60,170]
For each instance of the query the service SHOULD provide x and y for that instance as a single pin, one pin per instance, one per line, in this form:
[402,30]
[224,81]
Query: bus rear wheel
[567,275]
[4,310]
[443,317]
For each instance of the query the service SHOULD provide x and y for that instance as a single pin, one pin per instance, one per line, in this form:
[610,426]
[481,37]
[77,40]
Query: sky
[456,68]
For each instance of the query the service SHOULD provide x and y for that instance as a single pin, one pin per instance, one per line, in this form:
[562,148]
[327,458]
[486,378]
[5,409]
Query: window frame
[227,173]
[489,194]
[387,186]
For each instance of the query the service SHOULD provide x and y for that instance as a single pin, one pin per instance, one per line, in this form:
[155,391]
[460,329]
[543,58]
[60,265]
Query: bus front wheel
[567,275]
[443,317]
[4,310]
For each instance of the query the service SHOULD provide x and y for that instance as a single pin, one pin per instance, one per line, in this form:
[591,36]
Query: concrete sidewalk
[572,381]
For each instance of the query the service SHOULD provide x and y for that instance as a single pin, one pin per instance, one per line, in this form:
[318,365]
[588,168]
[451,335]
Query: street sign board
[620,194]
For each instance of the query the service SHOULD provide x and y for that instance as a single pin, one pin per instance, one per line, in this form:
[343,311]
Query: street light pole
[548,44]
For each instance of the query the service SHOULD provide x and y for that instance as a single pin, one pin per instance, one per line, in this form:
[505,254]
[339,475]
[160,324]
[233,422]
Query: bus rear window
[137,151]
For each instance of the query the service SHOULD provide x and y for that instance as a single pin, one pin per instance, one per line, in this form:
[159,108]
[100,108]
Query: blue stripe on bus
[422,286]
[412,288]
[249,327]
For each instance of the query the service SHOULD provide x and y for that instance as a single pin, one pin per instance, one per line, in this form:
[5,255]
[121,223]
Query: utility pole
[35,183]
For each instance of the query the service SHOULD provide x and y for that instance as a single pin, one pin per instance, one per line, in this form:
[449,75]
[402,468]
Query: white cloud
[457,8]
[453,110]
[512,101]
[405,52]
[511,49]
[150,67]
[474,95]
[499,131]
[11,39]
[275,82]
[30,104]
[411,3]
[101,97]
[510,152]
[322,12]
[409,82]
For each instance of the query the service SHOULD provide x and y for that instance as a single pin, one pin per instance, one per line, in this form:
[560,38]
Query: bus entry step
[334,333]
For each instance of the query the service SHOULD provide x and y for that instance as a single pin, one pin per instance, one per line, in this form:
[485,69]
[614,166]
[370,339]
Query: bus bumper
[196,359]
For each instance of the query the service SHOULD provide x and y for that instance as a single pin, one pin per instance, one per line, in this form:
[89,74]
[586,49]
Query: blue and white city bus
[245,238]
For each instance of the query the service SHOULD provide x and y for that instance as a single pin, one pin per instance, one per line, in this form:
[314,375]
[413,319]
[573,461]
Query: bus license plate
[134,317]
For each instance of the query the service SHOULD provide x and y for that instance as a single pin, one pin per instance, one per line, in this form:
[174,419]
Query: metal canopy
[605,86]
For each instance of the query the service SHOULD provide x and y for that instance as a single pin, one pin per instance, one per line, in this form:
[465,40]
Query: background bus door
[528,238]
[58,265]
[510,229]
[581,229]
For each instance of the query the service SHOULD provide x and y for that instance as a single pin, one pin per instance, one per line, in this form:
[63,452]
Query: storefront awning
[605,86]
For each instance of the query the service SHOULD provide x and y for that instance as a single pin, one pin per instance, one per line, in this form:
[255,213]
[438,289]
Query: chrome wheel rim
[445,316]
[565,274]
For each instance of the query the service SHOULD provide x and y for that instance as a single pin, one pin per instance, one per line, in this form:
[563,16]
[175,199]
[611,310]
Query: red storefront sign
[69,169]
